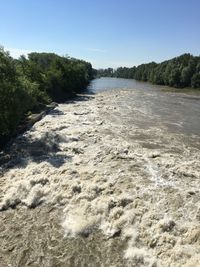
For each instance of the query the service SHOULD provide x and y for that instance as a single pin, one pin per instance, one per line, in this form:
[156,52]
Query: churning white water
[105,180]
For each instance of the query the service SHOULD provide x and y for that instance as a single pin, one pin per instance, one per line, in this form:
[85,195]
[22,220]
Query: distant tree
[182,71]
[186,75]
[174,78]
[195,82]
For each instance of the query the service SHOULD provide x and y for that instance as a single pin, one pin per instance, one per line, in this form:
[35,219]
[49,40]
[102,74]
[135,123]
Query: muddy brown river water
[109,179]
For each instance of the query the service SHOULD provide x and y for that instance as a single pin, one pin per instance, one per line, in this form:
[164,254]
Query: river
[177,111]
[108,179]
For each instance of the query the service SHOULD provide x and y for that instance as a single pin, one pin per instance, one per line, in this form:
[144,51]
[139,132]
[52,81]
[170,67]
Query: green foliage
[16,94]
[58,77]
[28,83]
[195,81]
[105,72]
[127,73]
[182,71]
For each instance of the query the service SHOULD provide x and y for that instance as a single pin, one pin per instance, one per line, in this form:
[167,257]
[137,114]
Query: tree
[176,72]
[29,83]
[195,82]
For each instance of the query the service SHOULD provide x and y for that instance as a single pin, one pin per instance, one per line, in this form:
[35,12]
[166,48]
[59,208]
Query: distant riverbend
[109,179]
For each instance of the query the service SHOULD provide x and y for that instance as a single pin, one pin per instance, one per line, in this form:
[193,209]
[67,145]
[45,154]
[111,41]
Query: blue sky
[107,33]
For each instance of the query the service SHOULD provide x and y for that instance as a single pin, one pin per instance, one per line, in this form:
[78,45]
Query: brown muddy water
[109,179]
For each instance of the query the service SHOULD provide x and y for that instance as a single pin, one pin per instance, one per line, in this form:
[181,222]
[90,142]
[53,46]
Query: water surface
[109,179]
[178,111]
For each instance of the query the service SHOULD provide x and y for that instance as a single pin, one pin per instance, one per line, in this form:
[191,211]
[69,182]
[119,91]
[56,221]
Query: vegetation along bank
[180,72]
[29,84]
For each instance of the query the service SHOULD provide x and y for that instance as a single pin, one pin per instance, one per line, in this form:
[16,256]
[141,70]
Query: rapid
[111,178]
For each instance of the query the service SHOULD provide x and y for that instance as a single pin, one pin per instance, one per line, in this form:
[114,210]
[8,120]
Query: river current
[108,179]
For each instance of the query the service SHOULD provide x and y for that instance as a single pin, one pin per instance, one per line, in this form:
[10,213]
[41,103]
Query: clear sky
[108,33]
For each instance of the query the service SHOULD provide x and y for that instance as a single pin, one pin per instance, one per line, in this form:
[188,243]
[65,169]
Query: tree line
[180,72]
[28,84]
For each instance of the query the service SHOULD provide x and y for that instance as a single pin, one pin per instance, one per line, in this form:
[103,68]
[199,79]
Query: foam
[78,224]
[140,257]
[105,180]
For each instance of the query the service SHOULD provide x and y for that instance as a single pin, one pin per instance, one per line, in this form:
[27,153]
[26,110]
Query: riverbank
[93,183]
[178,72]
[29,84]
[26,124]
